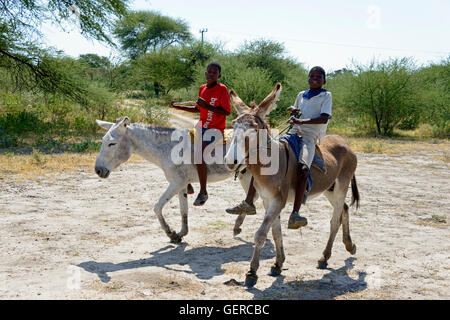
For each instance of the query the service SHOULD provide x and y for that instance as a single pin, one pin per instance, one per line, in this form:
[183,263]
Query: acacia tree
[383,93]
[140,32]
[26,61]
[271,57]
[267,55]
[172,68]
[435,96]
[147,37]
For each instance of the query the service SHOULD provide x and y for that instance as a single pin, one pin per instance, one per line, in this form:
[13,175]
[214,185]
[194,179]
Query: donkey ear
[239,105]
[126,121]
[269,102]
[105,125]
[253,105]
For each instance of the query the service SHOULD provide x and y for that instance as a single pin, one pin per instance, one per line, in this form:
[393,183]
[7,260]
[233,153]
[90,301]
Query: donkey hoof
[275,271]
[175,238]
[322,264]
[236,231]
[353,251]
[250,279]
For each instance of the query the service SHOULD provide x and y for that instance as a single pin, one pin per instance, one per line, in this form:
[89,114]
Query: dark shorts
[209,139]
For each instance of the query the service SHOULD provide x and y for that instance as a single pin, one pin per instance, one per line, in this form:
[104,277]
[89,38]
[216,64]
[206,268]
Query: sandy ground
[76,236]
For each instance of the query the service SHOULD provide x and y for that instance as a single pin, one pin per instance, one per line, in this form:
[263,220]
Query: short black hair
[214,64]
[319,69]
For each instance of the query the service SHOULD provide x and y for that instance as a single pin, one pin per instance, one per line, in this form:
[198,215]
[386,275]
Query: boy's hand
[294,120]
[201,102]
[293,110]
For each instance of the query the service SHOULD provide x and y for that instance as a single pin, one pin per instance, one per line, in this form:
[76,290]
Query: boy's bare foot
[201,199]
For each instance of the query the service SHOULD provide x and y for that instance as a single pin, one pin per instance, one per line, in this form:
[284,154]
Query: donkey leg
[349,245]
[260,237]
[184,208]
[170,192]
[237,224]
[245,179]
[337,201]
[275,270]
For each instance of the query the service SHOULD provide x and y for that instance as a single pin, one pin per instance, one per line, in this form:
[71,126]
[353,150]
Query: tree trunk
[156,88]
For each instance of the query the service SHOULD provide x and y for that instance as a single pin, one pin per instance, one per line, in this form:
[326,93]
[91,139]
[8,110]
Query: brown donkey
[279,187]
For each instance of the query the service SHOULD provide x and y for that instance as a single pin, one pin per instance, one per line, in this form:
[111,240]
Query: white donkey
[278,188]
[155,145]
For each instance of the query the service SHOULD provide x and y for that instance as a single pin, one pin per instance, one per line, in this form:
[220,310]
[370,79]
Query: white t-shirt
[312,108]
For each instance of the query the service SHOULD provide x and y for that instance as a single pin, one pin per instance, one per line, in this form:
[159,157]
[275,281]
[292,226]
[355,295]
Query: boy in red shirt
[214,106]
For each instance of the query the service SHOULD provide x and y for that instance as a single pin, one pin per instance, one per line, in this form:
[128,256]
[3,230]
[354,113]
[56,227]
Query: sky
[328,33]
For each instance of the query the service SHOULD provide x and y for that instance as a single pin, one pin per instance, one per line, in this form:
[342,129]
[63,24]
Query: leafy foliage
[49,96]
[384,94]
[142,31]
[34,67]
[93,17]
[434,91]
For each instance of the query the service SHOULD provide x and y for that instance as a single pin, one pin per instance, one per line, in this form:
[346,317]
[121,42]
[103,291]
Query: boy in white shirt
[315,107]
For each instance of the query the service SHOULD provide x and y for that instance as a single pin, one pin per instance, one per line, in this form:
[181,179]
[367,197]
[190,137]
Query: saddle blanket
[228,135]
[296,143]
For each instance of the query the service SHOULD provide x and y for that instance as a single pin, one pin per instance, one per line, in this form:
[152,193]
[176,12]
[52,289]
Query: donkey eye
[111,144]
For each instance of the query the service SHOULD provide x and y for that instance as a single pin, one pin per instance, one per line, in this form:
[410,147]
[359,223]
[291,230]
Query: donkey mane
[154,143]
[278,188]
[153,128]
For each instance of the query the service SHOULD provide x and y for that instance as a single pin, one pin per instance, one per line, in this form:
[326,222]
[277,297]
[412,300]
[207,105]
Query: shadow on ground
[204,262]
[330,286]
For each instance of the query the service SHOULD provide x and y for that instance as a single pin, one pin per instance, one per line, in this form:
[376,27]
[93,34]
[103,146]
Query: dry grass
[434,221]
[37,164]
[400,146]
[445,157]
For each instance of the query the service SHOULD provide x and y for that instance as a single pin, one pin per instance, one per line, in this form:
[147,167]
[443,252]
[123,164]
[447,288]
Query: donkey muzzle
[102,172]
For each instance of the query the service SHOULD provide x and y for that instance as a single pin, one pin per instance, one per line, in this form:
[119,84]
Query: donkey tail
[355,193]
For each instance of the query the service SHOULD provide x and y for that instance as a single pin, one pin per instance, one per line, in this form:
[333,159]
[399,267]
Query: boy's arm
[295,109]
[323,118]
[325,114]
[183,108]
[202,104]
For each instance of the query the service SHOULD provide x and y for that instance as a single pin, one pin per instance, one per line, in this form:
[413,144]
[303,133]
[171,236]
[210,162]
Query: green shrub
[20,122]
[85,146]
[7,140]
[48,144]
[155,113]
[383,94]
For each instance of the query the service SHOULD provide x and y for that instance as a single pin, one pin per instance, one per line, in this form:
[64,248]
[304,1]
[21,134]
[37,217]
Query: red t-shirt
[217,96]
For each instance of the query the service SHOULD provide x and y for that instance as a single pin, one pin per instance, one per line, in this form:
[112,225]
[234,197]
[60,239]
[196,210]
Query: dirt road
[76,236]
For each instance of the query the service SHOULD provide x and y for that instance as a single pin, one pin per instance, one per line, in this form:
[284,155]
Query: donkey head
[116,146]
[246,125]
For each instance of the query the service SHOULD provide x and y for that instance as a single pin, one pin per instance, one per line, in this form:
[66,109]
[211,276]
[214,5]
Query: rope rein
[264,125]
[287,129]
